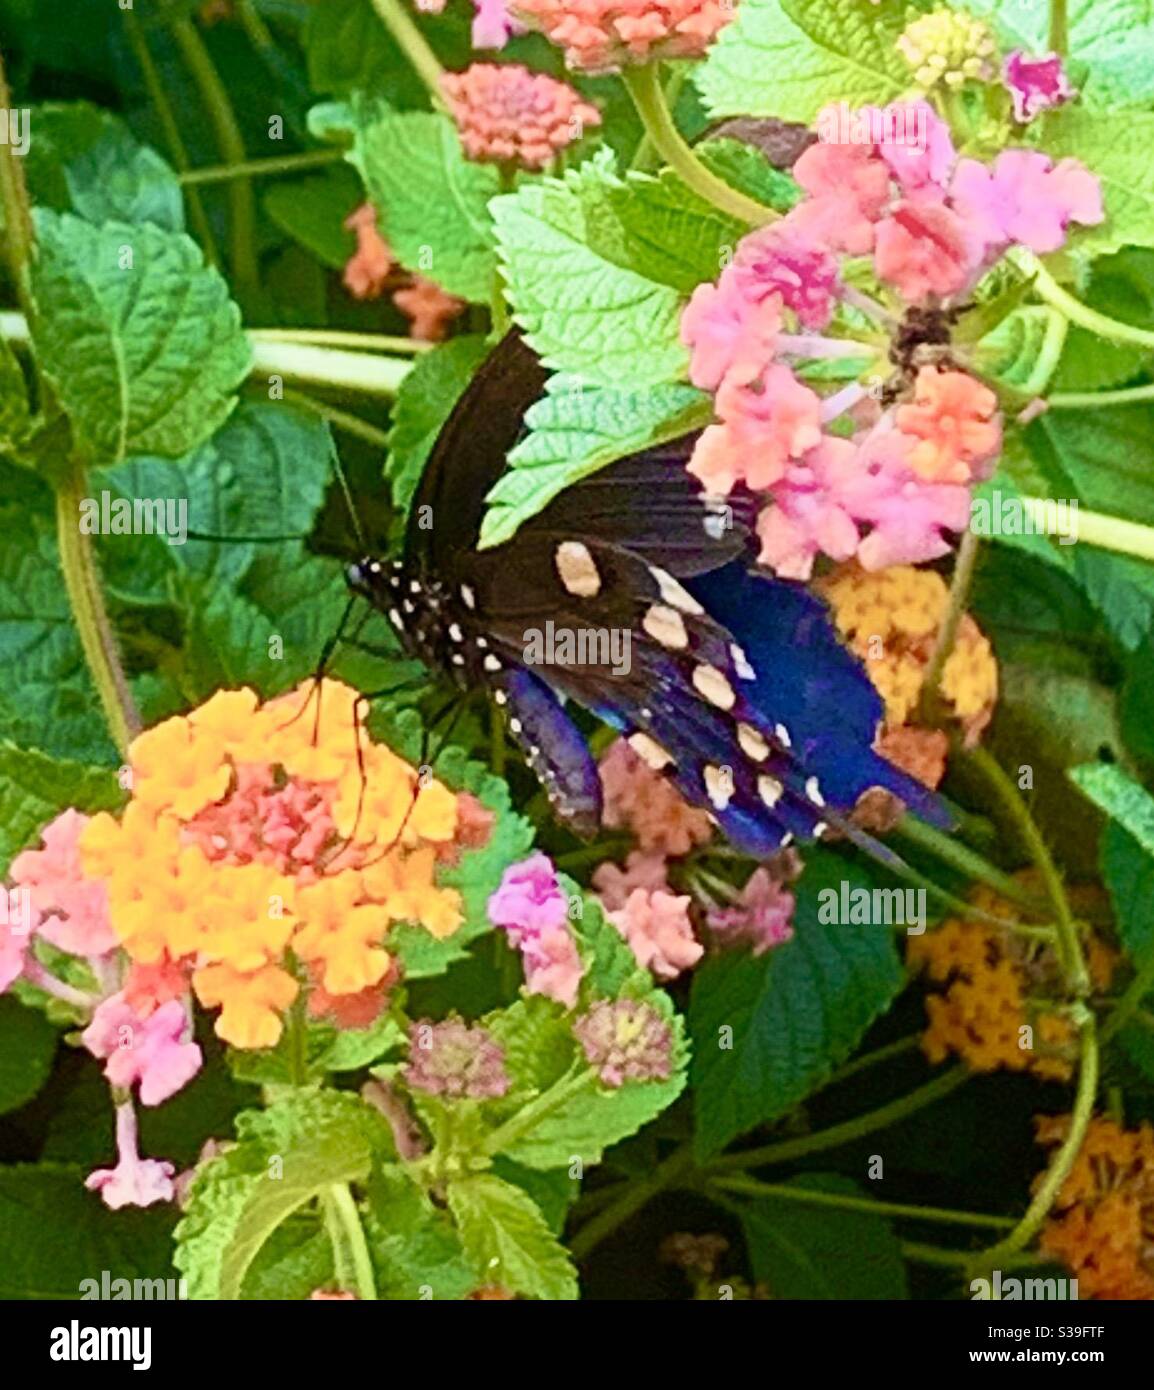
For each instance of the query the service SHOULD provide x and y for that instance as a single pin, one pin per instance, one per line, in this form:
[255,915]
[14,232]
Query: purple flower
[626,1040]
[154,1051]
[1035,83]
[532,908]
[452,1059]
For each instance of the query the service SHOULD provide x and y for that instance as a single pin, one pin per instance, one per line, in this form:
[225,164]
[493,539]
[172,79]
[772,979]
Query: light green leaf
[574,430]
[1116,147]
[795,1013]
[802,1251]
[569,265]
[308,1170]
[144,357]
[508,1240]
[1114,39]
[84,159]
[416,1252]
[432,203]
[789,58]
[34,788]
[1126,802]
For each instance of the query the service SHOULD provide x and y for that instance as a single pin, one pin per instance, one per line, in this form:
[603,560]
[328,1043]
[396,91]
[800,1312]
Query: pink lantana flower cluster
[887,490]
[139,1020]
[533,908]
[607,35]
[505,114]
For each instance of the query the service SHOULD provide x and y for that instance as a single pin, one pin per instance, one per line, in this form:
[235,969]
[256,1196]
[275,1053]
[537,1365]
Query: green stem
[351,1259]
[339,337]
[19,238]
[1059,1170]
[1093,400]
[960,584]
[833,1138]
[242,205]
[952,852]
[1059,28]
[872,1059]
[528,1118]
[1077,312]
[754,1187]
[172,136]
[260,168]
[413,45]
[636,1195]
[644,87]
[1131,1001]
[920,1253]
[1067,940]
[1046,363]
[1106,532]
[645,156]
[340,419]
[86,597]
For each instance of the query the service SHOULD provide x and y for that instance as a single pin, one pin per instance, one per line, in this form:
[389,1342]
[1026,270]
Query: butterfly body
[625,596]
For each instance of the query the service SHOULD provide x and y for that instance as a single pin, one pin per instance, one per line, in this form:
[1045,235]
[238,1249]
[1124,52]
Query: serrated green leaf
[747,169]
[802,1251]
[416,1252]
[308,1170]
[144,356]
[574,430]
[789,58]
[86,160]
[27,1047]
[1126,802]
[1122,287]
[14,409]
[1116,147]
[454,244]
[795,1013]
[569,269]
[508,1240]
[55,1235]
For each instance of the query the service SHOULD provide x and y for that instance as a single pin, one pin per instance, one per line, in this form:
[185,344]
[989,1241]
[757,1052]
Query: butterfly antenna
[346,493]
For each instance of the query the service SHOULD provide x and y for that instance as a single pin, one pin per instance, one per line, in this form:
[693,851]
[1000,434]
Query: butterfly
[736,686]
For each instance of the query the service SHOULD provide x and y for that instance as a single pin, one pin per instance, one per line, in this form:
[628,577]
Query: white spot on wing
[577,569]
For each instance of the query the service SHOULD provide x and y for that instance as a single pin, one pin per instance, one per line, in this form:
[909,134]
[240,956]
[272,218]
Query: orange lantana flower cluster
[1102,1224]
[990,975]
[257,846]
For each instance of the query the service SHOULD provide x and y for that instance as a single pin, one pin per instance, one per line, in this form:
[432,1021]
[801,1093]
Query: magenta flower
[1035,84]
[921,161]
[155,1051]
[493,25]
[74,909]
[626,1041]
[761,918]
[1025,198]
[531,906]
[135,1181]
[452,1059]
[780,260]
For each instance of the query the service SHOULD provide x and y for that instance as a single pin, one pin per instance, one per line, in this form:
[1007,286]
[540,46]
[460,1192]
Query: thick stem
[82,582]
[340,337]
[644,87]
[1095,400]
[1106,532]
[1059,28]
[1077,312]
[952,852]
[351,1259]
[960,584]
[833,1138]
[18,234]
[527,1119]
[413,45]
[668,1174]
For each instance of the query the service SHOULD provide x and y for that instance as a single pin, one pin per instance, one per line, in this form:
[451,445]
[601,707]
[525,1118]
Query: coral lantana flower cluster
[252,844]
[511,116]
[1102,1223]
[887,489]
[607,35]
[371,270]
[986,1013]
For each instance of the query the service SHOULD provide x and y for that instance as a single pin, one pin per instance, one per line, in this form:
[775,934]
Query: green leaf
[34,788]
[1129,805]
[454,247]
[795,1013]
[427,395]
[747,169]
[569,266]
[1113,39]
[143,358]
[508,1240]
[349,49]
[800,1251]
[1011,352]
[312,211]
[55,1235]
[85,160]
[14,409]
[1122,287]
[574,430]
[789,58]
[27,1049]
[308,1171]
[1116,147]
[416,1251]
[1128,869]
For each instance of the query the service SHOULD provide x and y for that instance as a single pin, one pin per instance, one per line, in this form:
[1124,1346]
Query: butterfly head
[371,578]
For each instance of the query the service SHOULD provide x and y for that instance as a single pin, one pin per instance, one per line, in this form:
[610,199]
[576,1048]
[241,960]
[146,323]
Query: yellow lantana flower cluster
[258,848]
